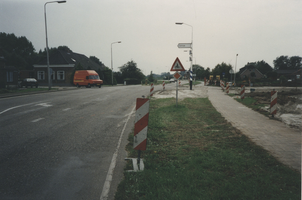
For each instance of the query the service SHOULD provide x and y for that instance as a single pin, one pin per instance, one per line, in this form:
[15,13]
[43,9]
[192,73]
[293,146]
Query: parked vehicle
[87,78]
[29,82]
[172,80]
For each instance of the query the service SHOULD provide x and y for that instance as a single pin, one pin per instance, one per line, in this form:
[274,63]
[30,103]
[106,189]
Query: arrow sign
[184,45]
[177,66]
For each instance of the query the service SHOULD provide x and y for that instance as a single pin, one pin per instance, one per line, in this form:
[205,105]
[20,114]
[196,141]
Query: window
[41,75]
[60,75]
[9,76]
[52,75]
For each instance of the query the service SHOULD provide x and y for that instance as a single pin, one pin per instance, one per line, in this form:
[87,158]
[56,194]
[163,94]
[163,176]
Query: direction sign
[177,66]
[184,45]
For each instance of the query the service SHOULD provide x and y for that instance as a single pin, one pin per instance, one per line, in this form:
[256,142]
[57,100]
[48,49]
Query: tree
[151,78]
[263,67]
[286,63]
[222,70]
[130,71]
[281,63]
[17,51]
[199,71]
[295,62]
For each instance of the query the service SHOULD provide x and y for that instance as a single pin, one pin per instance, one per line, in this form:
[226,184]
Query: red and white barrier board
[273,102]
[151,90]
[222,85]
[164,85]
[141,124]
[227,88]
[242,92]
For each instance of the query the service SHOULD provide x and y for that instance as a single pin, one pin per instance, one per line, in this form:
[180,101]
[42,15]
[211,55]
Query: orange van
[87,78]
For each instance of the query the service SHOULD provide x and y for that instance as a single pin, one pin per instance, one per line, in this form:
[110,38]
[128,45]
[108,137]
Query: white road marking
[66,109]
[106,188]
[17,107]
[36,120]
[43,104]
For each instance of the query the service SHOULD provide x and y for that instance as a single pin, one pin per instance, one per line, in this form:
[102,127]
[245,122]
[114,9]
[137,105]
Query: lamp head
[179,23]
[61,1]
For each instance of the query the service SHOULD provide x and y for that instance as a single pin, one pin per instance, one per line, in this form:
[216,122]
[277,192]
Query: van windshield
[94,77]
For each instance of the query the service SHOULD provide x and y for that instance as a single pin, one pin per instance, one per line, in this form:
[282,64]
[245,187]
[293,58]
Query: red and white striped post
[273,107]
[179,82]
[141,126]
[151,90]
[164,85]
[242,92]
[227,88]
[222,85]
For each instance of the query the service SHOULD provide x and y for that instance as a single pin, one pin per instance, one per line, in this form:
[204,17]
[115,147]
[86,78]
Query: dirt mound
[289,105]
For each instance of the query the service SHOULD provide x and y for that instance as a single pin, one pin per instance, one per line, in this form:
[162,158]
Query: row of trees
[20,53]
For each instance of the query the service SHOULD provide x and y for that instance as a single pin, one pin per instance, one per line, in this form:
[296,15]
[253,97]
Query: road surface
[59,145]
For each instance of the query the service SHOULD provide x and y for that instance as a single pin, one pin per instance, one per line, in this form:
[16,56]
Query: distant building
[62,65]
[8,75]
[290,74]
[250,71]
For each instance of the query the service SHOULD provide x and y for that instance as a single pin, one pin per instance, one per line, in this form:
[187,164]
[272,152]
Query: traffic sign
[177,66]
[177,75]
[184,45]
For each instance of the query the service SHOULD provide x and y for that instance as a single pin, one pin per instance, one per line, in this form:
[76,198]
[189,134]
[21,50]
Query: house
[250,71]
[290,74]
[62,66]
[8,75]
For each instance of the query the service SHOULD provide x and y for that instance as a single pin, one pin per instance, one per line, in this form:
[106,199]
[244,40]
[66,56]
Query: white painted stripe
[142,111]
[66,109]
[17,107]
[106,187]
[140,137]
[274,96]
[36,120]
[273,108]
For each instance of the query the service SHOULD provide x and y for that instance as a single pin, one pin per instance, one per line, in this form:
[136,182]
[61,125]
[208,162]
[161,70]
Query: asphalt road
[59,145]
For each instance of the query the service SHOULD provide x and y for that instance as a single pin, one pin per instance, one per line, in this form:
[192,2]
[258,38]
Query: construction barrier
[141,124]
[273,107]
[242,92]
[151,90]
[164,85]
[222,85]
[227,88]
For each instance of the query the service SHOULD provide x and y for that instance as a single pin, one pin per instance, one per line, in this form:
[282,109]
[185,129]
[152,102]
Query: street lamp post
[48,69]
[112,61]
[235,70]
[191,52]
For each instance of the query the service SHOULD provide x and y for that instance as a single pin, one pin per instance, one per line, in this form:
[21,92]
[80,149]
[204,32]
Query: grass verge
[193,153]
[251,103]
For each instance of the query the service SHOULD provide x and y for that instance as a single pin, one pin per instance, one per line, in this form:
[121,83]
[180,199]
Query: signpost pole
[176,92]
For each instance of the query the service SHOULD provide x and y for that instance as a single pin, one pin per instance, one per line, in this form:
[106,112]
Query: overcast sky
[254,29]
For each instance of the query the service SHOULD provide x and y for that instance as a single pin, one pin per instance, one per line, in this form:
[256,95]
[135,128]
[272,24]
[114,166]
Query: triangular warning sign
[177,66]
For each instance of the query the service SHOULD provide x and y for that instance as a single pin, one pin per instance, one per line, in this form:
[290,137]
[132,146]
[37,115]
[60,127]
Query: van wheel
[89,86]
[100,86]
[78,86]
